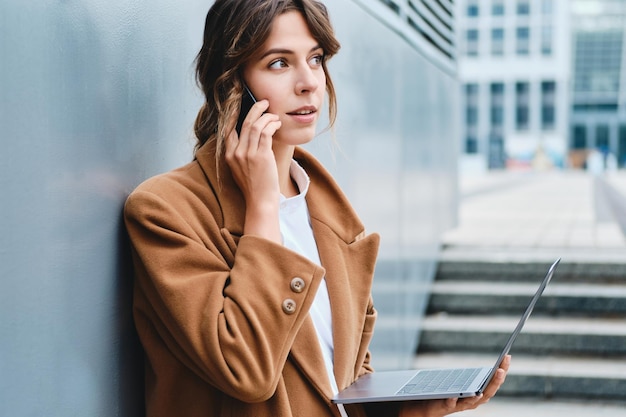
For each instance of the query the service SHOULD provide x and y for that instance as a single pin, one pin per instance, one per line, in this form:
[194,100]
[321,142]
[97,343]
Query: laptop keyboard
[440,380]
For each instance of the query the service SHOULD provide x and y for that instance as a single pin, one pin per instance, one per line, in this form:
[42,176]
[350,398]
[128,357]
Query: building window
[472,9]
[522,104]
[621,147]
[497,41]
[523,7]
[495,153]
[471,47]
[548,105]
[497,8]
[599,107]
[579,140]
[471,105]
[471,117]
[471,145]
[602,138]
[523,40]
[546,40]
[598,63]
[497,104]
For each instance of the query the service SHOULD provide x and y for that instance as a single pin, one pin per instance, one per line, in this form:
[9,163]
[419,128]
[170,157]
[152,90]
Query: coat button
[297,285]
[289,306]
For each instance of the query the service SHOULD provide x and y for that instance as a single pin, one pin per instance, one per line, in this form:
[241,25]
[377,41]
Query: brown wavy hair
[234,32]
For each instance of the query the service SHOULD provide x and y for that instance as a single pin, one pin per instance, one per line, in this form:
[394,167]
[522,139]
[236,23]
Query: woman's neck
[284,156]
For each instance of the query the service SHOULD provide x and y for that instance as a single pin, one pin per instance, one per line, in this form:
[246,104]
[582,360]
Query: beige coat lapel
[349,271]
[349,295]
[349,262]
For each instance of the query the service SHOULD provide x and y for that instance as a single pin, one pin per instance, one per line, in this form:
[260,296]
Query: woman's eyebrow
[284,51]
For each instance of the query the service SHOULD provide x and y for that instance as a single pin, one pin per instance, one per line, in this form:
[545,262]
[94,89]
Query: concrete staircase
[573,346]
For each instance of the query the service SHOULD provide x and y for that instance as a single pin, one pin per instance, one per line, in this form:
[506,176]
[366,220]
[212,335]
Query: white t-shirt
[297,234]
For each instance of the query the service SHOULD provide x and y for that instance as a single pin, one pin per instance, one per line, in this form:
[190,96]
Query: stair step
[531,271]
[572,347]
[540,335]
[461,297]
[546,376]
[573,366]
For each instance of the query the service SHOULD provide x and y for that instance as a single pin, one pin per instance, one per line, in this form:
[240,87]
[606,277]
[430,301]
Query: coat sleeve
[232,325]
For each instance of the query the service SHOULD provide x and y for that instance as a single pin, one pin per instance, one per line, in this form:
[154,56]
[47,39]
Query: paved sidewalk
[530,216]
[538,216]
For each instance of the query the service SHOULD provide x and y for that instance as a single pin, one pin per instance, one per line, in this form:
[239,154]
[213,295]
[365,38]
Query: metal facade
[98,96]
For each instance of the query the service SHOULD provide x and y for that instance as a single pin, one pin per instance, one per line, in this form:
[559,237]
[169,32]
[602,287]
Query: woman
[253,273]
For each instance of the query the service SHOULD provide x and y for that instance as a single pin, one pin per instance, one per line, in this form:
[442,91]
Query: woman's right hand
[440,408]
[253,166]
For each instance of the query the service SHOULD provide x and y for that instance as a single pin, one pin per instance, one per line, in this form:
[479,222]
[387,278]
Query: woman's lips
[304,115]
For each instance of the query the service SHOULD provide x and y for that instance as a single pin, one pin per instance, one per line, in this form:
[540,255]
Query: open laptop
[428,384]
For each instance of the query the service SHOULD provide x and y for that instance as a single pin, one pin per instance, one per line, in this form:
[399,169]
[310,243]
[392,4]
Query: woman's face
[288,73]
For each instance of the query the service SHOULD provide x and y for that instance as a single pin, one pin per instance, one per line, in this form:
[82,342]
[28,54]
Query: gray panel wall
[395,158]
[97,96]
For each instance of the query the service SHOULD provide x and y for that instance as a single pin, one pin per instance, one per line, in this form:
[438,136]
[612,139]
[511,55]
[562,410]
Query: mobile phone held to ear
[247,101]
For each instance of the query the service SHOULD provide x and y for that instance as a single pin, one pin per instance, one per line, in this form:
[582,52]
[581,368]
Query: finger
[476,401]
[451,404]
[468,403]
[262,131]
[499,377]
[240,147]
[256,111]
[506,362]
[496,382]
[259,108]
[265,142]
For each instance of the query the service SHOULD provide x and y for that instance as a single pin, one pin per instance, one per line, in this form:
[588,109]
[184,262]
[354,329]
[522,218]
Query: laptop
[428,384]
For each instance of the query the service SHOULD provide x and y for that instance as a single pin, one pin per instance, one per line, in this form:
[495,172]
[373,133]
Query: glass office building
[598,111]
[514,73]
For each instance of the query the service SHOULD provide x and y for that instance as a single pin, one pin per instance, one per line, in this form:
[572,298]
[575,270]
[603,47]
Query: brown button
[289,306]
[297,285]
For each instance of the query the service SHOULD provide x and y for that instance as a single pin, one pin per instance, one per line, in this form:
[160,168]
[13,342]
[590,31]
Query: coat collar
[324,199]
[223,184]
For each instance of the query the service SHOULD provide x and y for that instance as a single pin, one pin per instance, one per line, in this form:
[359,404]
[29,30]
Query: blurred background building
[514,70]
[542,82]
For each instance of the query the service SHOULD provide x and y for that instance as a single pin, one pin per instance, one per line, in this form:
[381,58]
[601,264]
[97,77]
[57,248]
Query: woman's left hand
[439,408]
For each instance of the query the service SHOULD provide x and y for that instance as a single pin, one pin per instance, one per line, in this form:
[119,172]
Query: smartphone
[247,101]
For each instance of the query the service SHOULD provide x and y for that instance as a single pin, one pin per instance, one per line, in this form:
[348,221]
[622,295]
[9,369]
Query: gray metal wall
[97,96]
[396,161]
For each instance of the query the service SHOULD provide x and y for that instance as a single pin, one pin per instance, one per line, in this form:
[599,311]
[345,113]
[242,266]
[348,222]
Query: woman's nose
[308,80]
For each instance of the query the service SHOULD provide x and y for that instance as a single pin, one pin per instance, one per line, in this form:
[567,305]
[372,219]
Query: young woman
[253,273]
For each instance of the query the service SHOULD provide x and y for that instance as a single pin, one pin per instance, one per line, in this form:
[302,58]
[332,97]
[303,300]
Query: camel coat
[224,325]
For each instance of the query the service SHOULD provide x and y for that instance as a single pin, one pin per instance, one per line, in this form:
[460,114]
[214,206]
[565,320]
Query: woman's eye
[278,64]
[317,60]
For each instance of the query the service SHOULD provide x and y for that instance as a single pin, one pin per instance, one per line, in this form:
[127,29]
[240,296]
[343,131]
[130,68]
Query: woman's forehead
[290,30]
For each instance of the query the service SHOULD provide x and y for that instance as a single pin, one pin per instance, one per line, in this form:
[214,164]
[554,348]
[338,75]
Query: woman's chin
[295,137]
